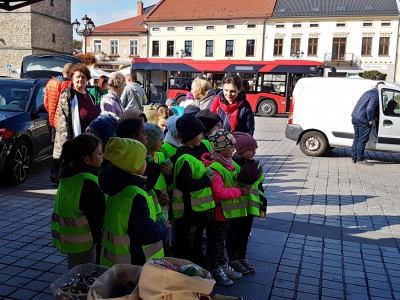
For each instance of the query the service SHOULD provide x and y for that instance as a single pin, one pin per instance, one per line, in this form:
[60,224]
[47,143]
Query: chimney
[140,8]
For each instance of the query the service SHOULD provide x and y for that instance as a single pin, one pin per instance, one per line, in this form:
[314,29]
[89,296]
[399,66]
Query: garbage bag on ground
[160,282]
[75,283]
[117,283]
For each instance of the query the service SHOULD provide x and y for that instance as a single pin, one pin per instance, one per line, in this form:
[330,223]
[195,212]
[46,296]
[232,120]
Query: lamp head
[85,19]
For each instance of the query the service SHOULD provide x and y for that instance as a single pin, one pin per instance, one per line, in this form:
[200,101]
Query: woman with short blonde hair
[202,92]
[112,100]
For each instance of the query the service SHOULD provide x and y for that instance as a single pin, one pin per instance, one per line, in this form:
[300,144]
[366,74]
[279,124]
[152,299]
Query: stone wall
[29,30]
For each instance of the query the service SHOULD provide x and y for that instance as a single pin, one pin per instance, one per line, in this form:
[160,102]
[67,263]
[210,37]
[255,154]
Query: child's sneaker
[231,273]
[238,267]
[248,266]
[220,277]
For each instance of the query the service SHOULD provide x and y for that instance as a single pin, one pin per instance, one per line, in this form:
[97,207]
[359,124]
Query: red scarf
[231,110]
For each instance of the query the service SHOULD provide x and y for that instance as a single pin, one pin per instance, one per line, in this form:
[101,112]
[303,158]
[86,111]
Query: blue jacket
[366,105]
[246,115]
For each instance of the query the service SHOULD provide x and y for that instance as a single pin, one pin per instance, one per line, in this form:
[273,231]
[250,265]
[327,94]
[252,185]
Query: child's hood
[206,159]
[113,180]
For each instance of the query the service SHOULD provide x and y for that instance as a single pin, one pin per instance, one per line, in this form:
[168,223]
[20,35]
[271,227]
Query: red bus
[268,84]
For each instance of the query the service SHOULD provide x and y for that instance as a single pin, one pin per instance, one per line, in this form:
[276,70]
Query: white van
[320,115]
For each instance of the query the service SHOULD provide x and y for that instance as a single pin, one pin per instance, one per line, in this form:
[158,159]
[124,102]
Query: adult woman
[233,108]
[112,100]
[76,111]
[202,92]
[100,89]
[80,205]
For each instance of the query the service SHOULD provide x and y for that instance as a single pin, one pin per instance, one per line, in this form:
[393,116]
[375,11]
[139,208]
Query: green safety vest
[233,208]
[253,201]
[69,227]
[201,200]
[161,183]
[207,144]
[168,150]
[116,241]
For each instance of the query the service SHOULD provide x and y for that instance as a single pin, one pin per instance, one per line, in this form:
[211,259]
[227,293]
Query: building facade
[214,30]
[353,36]
[44,27]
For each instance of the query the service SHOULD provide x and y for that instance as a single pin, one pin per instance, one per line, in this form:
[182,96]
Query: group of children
[155,192]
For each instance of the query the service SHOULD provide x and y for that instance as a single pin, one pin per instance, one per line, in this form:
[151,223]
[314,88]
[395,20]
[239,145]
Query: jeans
[361,137]
[238,237]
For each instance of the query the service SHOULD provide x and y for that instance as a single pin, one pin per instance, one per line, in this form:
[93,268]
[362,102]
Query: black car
[24,132]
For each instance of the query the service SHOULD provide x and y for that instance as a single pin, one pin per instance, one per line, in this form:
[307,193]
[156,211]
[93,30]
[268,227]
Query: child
[104,126]
[134,129]
[155,138]
[211,122]
[228,203]
[163,113]
[239,230]
[192,195]
[171,140]
[80,204]
[134,114]
[131,234]
[170,103]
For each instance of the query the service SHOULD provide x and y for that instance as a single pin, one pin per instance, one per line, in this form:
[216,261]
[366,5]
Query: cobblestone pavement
[332,229]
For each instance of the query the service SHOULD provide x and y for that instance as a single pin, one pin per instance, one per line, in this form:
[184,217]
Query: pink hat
[244,142]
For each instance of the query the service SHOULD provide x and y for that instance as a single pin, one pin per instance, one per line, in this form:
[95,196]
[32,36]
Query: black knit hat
[191,110]
[189,127]
[208,118]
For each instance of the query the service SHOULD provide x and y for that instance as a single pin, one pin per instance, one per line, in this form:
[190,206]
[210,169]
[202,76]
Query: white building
[212,30]
[354,36]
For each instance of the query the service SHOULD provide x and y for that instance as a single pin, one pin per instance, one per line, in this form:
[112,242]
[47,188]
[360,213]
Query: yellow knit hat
[127,154]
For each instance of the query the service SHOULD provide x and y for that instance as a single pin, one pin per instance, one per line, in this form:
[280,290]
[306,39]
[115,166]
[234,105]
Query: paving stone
[6,290]
[17,281]
[332,293]
[307,288]
[12,270]
[283,293]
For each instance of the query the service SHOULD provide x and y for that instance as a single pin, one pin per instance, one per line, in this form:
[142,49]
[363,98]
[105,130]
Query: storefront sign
[374,67]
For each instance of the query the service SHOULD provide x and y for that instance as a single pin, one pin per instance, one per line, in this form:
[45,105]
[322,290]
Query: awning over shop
[11,5]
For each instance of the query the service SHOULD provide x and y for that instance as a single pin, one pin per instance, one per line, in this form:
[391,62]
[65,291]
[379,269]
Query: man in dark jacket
[362,117]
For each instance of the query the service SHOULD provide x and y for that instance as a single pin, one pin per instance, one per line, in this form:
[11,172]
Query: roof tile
[134,24]
[175,10]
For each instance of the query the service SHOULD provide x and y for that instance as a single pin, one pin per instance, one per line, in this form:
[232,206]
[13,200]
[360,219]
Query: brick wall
[29,30]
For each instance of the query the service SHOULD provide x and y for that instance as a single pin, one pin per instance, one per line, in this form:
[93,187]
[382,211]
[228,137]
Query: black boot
[55,171]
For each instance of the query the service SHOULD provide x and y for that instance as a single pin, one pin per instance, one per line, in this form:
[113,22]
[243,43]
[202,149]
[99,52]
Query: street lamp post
[88,27]
[298,54]
[181,54]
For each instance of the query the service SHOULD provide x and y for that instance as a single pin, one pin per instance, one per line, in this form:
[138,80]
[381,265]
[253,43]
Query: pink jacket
[220,192]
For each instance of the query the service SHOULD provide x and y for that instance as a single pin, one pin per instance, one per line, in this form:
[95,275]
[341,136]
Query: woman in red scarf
[233,108]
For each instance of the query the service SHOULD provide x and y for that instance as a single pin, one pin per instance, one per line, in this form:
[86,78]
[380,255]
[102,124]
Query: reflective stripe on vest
[69,227]
[151,250]
[72,238]
[253,202]
[157,205]
[232,208]
[116,241]
[200,200]
[63,221]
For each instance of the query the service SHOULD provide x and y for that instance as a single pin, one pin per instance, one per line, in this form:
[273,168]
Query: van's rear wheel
[313,143]
[267,108]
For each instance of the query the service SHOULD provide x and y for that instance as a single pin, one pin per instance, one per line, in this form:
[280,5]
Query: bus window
[272,83]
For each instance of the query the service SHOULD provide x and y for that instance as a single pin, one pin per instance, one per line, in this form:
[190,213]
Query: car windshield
[14,97]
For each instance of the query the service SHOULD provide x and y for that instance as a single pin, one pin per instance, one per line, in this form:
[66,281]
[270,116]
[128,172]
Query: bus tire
[313,143]
[180,99]
[267,108]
